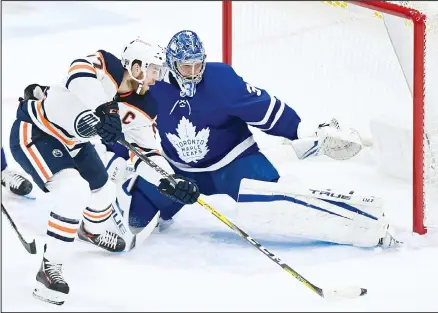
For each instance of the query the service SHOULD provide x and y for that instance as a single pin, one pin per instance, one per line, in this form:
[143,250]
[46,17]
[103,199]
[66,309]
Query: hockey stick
[350,292]
[29,246]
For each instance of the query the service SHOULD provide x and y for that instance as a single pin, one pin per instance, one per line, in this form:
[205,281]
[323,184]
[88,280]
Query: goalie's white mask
[148,61]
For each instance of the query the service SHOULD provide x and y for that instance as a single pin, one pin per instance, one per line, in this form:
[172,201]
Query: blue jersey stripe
[80,60]
[270,198]
[77,75]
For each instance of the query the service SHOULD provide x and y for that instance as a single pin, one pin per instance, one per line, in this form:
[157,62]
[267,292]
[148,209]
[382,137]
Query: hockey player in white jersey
[138,196]
[136,179]
[50,139]
[204,110]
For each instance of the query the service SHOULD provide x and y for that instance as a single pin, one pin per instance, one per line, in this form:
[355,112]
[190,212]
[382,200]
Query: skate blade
[18,197]
[30,197]
[50,296]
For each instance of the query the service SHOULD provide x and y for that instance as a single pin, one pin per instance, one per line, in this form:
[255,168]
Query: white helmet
[151,59]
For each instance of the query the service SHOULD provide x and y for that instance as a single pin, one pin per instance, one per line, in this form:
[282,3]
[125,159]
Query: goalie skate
[388,241]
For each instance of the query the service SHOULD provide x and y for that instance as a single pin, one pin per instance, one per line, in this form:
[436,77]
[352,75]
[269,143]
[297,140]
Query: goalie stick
[29,246]
[349,292]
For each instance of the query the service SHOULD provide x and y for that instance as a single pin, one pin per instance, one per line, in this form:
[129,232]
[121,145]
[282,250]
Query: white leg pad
[69,193]
[124,198]
[103,197]
[342,218]
[97,212]
[121,223]
[124,195]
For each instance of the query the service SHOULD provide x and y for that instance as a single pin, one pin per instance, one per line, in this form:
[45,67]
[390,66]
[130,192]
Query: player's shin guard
[62,226]
[130,197]
[104,225]
[312,214]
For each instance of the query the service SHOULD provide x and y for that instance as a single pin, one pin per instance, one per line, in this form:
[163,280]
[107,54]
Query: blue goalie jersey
[210,130]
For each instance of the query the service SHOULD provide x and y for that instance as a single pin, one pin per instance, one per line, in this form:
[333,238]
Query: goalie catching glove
[337,143]
[328,139]
[184,191]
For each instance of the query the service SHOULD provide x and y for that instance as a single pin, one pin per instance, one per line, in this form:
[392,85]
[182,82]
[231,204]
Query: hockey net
[358,61]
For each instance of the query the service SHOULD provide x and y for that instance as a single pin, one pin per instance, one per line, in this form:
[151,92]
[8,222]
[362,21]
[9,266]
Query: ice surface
[199,264]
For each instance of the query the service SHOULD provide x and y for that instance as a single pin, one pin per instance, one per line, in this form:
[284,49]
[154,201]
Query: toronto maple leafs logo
[191,146]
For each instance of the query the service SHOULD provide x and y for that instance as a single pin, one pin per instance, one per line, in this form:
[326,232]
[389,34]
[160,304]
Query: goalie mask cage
[378,58]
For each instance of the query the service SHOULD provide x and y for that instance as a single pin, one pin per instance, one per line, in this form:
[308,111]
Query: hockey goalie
[205,138]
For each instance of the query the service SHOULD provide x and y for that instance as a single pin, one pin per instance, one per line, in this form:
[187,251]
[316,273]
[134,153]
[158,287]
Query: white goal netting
[334,58]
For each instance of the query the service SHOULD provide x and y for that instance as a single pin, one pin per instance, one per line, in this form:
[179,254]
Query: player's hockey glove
[185,191]
[110,126]
[33,92]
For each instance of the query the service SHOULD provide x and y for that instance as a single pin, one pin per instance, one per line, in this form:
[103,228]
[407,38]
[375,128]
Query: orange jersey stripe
[62,228]
[32,153]
[50,127]
[99,215]
[82,66]
[126,94]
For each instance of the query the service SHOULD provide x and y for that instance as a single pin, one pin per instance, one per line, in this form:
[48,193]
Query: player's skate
[16,183]
[108,240]
[51,286]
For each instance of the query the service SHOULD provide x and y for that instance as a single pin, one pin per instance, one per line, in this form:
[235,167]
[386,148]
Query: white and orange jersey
[95,79]
[138,116]
[56,115]
[138,127]
[66,110]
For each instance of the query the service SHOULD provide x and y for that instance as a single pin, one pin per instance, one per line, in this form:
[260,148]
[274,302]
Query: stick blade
[31,247]
[344,293]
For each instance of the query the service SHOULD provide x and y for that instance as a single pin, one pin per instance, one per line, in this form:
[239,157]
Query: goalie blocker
[324,215]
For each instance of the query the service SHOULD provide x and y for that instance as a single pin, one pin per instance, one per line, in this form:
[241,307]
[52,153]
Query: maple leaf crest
[191,146]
